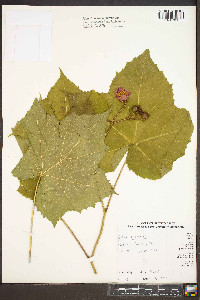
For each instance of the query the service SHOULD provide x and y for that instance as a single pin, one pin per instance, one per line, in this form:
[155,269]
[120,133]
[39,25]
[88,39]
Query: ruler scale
[145,289]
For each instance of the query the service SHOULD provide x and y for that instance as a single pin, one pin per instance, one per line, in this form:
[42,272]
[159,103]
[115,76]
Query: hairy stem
[33,208]
[79,243]
[112,122]
[105,212]
[123,106]
[125,119]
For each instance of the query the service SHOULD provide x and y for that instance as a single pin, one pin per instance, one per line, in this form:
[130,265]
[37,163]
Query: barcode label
[171,15]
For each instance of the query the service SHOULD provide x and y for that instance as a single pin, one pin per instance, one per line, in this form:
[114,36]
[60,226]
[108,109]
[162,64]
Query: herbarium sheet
[99,110]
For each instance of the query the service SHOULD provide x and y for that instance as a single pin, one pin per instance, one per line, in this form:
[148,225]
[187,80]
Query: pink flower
[122,94]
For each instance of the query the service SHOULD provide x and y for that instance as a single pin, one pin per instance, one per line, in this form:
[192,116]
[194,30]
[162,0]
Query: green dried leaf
[27,188]
[64,156]
[112,159]
[155,143]
[157,146]
[80,103]
[65,98]
[21,136]
[57,102]
[99,102]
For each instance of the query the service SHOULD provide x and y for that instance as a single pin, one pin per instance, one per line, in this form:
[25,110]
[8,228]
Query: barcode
[171,15]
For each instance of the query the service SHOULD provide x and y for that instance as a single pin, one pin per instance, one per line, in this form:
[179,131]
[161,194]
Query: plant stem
[75,237]
[79,243]
[103,207]
[93,267]
[123,106]
[125,119]
[105,212]
[33,208]
[112,122]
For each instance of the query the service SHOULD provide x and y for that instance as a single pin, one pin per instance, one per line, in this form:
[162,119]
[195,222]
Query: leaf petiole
[105,212]
[33,208]
[105,209]
[81,246]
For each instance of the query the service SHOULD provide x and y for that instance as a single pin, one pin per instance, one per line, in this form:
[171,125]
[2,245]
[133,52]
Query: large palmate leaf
[65,98]
[61,161]
[154,142]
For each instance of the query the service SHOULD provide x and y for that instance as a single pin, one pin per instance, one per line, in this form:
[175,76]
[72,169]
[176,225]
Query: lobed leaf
[65,98]
[155,143]
[65,156]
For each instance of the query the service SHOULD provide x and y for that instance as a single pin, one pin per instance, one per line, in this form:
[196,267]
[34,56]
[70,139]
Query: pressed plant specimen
[71,139]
